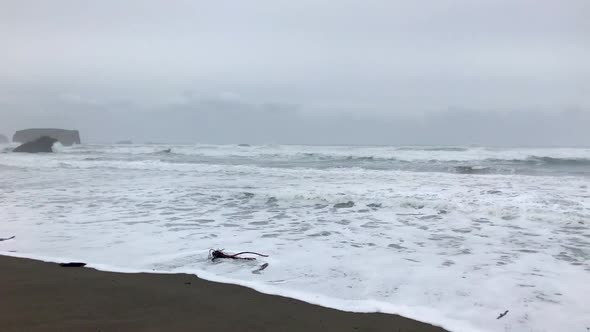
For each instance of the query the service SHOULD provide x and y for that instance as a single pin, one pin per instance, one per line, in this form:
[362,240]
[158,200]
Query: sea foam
[450,249]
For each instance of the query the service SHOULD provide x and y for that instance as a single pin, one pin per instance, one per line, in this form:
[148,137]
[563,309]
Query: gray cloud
[305,71]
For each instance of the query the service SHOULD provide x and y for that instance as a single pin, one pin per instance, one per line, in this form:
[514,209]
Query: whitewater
[452,236]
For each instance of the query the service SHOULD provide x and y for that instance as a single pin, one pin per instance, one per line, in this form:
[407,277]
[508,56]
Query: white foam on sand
[424,314]
[453,250]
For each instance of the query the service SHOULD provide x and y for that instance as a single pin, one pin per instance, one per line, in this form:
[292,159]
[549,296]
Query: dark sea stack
[41,144]
[3,139]
[65,137]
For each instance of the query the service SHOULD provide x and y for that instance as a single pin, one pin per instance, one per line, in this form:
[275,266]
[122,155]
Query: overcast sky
[507,72]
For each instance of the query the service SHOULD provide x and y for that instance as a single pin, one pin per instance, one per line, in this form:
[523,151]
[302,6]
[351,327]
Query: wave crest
[559,161]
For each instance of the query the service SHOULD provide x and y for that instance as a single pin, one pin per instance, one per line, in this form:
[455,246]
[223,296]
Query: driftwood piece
[502,315]
[8,238]
[261,268]
[215,254]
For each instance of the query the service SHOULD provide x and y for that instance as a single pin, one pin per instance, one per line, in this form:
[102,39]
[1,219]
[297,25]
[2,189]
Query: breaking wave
[458,160]
[559,161]
[433,148]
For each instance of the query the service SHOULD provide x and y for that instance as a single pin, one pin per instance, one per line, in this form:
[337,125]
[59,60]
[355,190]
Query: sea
[453,236]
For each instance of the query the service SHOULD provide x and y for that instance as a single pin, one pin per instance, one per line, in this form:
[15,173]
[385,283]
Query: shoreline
[42,296]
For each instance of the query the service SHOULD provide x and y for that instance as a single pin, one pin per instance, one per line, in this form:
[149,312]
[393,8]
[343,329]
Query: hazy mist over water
[376,72]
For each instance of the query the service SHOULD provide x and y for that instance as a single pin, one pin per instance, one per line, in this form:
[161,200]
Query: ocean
[452,236]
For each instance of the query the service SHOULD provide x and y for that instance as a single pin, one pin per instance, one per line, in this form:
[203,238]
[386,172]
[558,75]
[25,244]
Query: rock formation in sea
[128,141]
[65,137]
[41,144]
[3,139]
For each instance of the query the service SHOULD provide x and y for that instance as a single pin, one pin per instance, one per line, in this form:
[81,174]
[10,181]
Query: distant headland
[65,137]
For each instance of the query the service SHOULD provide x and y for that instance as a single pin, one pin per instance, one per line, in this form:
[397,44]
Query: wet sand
[39,296]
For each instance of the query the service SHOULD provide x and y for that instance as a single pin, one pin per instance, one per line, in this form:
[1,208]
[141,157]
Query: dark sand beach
[40,296]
